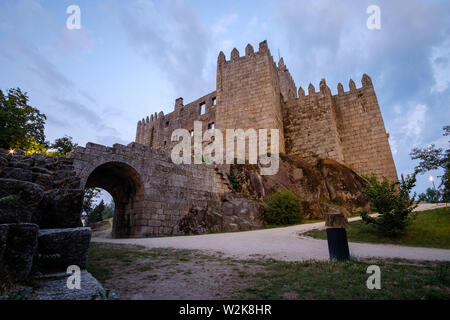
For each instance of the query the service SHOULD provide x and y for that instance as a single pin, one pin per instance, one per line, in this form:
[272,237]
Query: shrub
[283,207]
[392,201]
[234,182]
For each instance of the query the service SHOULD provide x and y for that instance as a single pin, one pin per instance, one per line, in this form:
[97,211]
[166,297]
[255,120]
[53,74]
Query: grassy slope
[430,229]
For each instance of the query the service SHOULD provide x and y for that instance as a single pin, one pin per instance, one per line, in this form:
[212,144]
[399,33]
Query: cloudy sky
[133,58]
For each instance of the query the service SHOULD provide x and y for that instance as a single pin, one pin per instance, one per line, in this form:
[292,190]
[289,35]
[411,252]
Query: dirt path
[283,244]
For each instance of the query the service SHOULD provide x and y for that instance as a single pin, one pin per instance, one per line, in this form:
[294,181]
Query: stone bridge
[150,192]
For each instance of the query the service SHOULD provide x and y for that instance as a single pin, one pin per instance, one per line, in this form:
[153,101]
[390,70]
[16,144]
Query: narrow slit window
[202,108]
[211,125]
[214,101]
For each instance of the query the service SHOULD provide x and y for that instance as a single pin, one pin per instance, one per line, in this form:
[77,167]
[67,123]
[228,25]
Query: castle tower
[253,93]
[248,94]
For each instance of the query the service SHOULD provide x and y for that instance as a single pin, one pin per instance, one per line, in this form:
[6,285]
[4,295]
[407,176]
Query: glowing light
[431,178]
[11,151]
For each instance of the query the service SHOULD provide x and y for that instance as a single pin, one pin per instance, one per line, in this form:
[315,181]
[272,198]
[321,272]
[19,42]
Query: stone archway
[125,185]
[151,192]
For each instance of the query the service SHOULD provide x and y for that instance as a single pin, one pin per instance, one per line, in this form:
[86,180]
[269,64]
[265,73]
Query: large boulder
[200,220]
[60,208]
[322,186]
[233,212]
[71,244]
[20,200]
[343,184]
[240,213]
[54,287]
[18,244]
[3,241]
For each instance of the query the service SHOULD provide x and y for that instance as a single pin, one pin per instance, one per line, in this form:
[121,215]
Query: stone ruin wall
[252,92]
[156,130]
[160,192]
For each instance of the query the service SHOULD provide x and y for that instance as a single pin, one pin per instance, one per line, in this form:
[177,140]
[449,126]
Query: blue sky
[134,58]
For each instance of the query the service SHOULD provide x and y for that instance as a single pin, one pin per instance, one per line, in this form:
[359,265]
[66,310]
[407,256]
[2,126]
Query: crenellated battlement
[252,91]
[366,83]
[249,52]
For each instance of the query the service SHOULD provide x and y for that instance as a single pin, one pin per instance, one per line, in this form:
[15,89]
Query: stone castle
[253,92]
[325,141]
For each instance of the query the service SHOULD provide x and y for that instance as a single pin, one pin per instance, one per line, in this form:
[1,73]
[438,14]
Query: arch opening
[125,186]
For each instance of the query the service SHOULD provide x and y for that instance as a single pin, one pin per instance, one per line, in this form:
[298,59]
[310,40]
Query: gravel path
[283,244]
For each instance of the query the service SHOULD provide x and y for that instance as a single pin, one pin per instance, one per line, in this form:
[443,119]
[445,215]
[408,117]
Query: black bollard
[338,244]
[336,223]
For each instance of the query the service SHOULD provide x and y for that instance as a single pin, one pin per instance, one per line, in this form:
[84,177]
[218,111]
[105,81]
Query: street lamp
[432,181]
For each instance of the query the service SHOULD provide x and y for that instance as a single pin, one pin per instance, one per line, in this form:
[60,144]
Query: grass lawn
[400,279]
[183,274]
[430,229]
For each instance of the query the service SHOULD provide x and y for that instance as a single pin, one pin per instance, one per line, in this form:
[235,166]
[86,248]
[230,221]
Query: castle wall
[288,88]
[252,92]
[248,92]
[156,130]
[364,139]
[347,127]
[310,125]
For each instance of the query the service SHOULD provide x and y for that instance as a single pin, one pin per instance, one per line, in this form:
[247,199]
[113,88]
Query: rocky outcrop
[54,287]
[39,189]
[240,213]
[60,208]
[71,244]
[20,200]
[233,212]
[327,185]
[46,192]
[18,243]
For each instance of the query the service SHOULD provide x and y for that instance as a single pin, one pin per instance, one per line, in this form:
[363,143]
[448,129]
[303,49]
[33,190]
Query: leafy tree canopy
[63,146]
[21,125]
[432,158]
[89,199]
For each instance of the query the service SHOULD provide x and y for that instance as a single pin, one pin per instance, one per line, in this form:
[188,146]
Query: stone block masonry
[253,92]
[150,192]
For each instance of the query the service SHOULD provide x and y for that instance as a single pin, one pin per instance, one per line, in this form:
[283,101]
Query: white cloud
[222,25]
[415,122]
[440,64]
[408,127]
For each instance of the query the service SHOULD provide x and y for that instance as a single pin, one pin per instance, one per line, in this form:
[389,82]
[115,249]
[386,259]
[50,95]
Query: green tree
[97,214]
[284,207]
[63,146]
[430,196]
[432,158]
[393,203]
[21,125]
[109,211]
[88,201]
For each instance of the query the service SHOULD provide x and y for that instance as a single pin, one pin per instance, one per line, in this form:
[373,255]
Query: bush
[283,207]
[234,182]
[392,201]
